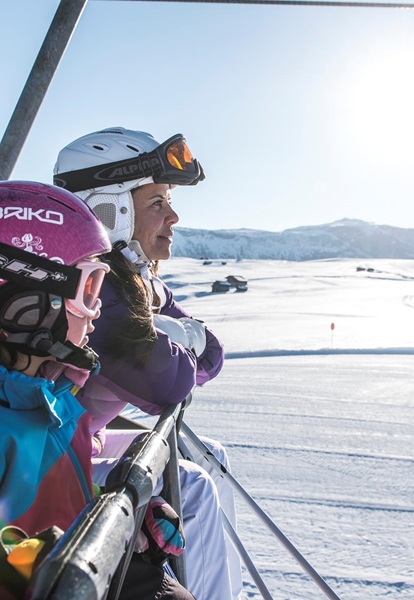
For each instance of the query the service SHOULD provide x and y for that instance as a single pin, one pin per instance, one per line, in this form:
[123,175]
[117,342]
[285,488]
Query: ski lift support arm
[54,45]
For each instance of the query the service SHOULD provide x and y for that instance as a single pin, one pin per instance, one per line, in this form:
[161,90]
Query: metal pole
[165,425]
[209,456]
[173,496]
[54,45]
[172,487]
[244,555]
[90,560]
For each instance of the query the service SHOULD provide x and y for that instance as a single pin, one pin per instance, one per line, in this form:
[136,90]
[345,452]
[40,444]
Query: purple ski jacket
[167,377]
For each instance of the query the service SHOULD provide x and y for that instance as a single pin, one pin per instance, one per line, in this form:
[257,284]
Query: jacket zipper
[76,465]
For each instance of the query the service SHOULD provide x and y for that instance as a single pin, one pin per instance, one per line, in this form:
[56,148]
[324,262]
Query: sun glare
[376,106]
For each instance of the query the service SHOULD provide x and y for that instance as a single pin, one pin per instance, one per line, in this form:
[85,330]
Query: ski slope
[318,423]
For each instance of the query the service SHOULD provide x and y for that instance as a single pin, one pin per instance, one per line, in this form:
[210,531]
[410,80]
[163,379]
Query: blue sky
[299,115]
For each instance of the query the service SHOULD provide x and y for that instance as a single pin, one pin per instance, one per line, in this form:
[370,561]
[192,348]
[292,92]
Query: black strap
[35,272]
[144,165]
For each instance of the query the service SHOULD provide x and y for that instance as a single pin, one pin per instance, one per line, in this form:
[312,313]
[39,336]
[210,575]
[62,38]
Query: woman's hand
[188,332]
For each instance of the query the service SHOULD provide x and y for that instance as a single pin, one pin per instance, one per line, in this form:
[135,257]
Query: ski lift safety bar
[55,43]
[91,558]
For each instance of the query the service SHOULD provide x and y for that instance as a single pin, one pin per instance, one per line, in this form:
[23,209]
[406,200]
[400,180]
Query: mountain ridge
[345,238]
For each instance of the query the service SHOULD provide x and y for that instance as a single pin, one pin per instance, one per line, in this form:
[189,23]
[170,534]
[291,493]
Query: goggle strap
[139,167]
[35,272]
[52,314]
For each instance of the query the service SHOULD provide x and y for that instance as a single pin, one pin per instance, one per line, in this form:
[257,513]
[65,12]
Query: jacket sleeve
[167,376]
[210,362]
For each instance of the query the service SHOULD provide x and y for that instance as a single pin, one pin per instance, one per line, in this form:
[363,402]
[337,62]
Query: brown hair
[8,355]
[136,333]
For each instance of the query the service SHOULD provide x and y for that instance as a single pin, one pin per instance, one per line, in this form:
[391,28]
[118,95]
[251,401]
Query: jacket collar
[20,392]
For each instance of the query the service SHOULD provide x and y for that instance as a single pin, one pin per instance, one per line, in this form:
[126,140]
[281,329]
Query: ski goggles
[171,162]
[86,301]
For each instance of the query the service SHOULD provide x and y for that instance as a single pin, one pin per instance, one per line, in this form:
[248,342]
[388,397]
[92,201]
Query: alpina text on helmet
[140,167]
[24,213]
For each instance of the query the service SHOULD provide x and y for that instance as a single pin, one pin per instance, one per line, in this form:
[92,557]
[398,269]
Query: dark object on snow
[360,269]
[223,262]
[370,270]
[220,286]
[232,281]
[207,262]
[238,282]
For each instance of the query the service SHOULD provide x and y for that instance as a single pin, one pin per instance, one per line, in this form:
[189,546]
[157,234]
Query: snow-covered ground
[318,423]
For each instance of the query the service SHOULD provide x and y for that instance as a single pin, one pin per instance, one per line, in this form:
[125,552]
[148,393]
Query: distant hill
[347,238]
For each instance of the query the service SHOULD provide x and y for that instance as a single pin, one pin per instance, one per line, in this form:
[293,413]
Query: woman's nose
[172,216]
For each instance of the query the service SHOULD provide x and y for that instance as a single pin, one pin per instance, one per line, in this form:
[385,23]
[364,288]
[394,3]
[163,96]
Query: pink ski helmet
[43,231]
[50,222]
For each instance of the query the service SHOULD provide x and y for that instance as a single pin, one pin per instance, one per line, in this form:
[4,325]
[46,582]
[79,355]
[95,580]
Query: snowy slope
[319,427]
[345,238]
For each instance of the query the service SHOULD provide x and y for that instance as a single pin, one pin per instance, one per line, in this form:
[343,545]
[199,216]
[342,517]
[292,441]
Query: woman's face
[154,220]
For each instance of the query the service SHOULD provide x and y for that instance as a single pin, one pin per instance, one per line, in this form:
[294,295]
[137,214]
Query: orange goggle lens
[92,288]
[179,156]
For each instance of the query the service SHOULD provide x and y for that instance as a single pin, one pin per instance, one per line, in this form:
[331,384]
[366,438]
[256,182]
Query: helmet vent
[107,214]
[98,147]
[22,311]
[132,148]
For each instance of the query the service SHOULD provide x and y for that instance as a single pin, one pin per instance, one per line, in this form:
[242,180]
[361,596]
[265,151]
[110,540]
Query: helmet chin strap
[64,352]
[49,338]
[135,254]
[69,354]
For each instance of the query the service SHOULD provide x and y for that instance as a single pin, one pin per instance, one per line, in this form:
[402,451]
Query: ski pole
[209,456]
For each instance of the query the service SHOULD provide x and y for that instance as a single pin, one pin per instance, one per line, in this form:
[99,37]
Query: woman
[50,279]
[141,365]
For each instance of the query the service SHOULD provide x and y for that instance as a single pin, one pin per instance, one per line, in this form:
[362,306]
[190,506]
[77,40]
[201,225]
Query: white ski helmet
[103,167]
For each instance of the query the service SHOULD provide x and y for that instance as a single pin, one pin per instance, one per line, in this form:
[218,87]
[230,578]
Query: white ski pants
[213,565]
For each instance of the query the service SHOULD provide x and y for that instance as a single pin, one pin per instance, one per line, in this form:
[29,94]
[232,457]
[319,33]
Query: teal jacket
[45,453]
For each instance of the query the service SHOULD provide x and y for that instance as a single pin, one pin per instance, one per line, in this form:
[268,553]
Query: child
[50,281]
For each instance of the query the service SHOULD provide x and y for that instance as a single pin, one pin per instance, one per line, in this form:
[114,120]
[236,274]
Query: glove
[191,334]
[196,334]
[173,328]
[164,532]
